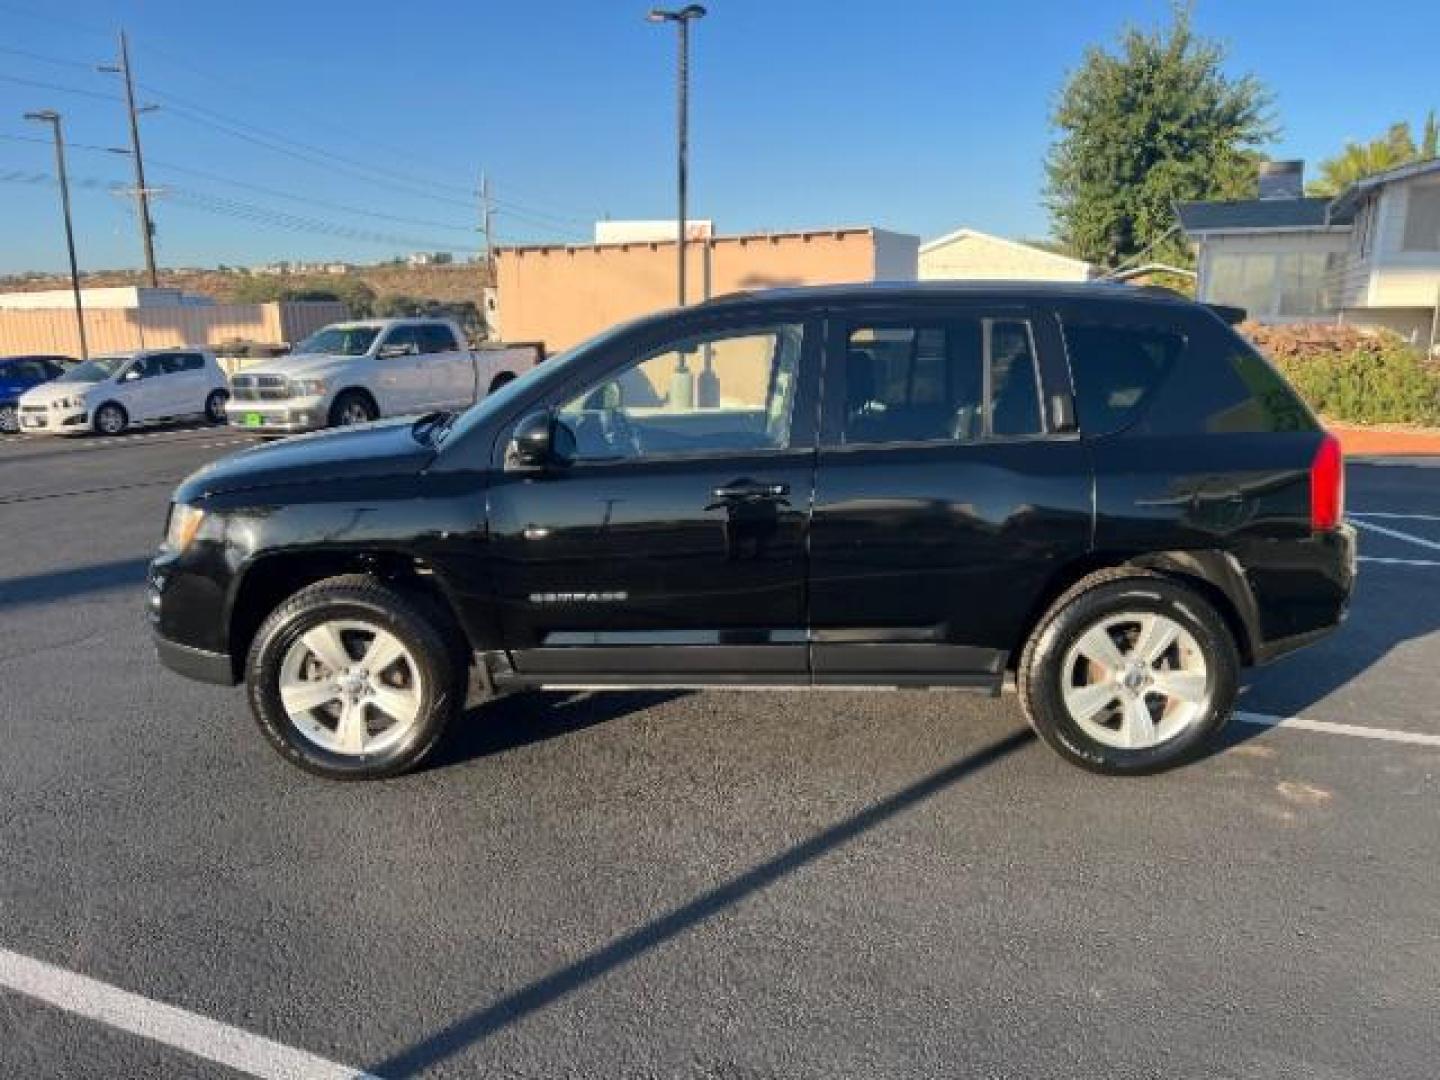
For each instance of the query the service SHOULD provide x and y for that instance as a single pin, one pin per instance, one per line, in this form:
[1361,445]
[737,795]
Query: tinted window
[407,337]
[1116,368]
[26,370]
[926,383]
[437,339]
[150,366]
[719,393]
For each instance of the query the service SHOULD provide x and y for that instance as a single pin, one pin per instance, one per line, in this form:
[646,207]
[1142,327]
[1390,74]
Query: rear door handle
[750,490]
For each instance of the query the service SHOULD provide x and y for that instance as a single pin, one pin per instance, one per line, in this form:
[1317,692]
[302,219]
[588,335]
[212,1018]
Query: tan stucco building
[969,254]
[561,295]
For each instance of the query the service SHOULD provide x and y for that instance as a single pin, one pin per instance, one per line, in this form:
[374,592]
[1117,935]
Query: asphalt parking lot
[721,884]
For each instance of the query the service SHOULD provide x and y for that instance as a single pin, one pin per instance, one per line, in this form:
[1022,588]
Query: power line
[57,88]
[208,203]
[260,188]
[313,155]
[44,59]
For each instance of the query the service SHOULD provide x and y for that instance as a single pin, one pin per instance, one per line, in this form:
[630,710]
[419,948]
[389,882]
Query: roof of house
[976,234]
[1249,215]
[1348,199]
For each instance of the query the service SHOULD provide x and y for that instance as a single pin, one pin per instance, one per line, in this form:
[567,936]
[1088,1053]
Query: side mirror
[540,440]
[131,375]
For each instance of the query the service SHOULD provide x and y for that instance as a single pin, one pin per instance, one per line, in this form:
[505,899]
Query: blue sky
[918,115]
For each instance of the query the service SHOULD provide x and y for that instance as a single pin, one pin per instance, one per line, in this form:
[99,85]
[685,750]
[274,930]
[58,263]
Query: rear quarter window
[1190,375]
[1117,368]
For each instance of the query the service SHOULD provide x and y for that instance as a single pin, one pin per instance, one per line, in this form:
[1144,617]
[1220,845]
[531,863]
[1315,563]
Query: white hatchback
[110,393]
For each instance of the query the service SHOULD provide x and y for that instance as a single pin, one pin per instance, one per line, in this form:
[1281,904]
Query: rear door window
[437,339]
[950,380]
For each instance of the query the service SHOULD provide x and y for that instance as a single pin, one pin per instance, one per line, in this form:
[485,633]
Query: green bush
[1383,381]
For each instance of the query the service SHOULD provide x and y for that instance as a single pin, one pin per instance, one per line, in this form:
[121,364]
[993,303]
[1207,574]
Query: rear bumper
[198,664]
[1327,588]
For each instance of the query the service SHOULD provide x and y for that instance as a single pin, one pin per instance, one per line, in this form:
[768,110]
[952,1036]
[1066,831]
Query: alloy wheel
[9,419]
[351,687]
[1135,680]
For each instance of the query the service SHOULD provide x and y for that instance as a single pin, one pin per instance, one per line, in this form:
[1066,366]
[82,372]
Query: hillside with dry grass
[454,284]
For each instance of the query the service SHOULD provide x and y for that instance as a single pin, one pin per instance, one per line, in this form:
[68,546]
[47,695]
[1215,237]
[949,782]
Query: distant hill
[453,284]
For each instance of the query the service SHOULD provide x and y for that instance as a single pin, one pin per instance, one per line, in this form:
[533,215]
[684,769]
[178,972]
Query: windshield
[97,370]
[554,368]
[339,341]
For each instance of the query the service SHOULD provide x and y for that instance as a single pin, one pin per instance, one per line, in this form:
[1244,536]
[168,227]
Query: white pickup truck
[353,372]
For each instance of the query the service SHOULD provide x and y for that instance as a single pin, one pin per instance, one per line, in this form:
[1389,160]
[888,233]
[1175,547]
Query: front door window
[710,394]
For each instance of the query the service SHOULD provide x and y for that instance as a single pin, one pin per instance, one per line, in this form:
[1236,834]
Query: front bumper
[286,417]
[183,605]
[53,421]
[198,664]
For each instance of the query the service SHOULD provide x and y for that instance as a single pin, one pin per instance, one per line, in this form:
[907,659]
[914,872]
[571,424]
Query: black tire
[110,419]
[215,406]
[360,598]
[1105,595]
[503,379]
[349,406]
[9,419]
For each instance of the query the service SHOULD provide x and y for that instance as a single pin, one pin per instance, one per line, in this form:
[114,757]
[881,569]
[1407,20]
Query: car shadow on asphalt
[531,998]
[522,719]
[67,584]
[1392,607]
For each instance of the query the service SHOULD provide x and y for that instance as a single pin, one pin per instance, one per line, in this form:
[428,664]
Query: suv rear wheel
[1129,673]
[350,679]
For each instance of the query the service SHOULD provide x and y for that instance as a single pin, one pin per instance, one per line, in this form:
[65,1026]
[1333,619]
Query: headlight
[308,387]
[184,523]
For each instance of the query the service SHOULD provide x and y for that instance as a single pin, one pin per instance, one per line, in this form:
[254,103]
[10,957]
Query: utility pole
[51,117]
[487,224]
[142,193]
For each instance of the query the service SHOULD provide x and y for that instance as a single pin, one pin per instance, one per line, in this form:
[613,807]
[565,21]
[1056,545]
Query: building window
[1270,284]
[1422,218]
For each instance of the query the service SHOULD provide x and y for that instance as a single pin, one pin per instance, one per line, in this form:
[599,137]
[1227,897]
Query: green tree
[1430,140]
[1155,121]
[1359,160]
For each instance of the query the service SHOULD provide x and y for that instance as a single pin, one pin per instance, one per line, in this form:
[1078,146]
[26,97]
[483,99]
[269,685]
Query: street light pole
[682,19]
[51,117]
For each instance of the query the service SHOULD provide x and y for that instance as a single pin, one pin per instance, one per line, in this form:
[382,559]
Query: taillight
[1327,485]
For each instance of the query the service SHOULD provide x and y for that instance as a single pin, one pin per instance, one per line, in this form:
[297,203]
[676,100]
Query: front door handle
[749,489]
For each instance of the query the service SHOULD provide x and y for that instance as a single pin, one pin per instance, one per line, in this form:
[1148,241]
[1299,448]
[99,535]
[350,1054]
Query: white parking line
[1328,727]
[1394,517]
[165,1024]
[1396,534]
[1384,561]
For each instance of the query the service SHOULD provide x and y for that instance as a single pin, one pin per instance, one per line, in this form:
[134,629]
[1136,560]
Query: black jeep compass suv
[1104,490]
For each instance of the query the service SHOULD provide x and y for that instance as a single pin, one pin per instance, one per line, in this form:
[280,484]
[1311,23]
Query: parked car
[21,373]
[109,394]
[1102,490]
[352,373]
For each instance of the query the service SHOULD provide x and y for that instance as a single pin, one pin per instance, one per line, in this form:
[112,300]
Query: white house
[1369,257]
[970,253]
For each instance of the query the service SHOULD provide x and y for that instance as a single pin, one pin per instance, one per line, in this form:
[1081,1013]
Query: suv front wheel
[351,679]
[1129,673]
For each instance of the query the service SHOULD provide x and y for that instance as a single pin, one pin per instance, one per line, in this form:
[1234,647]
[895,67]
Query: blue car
[20,373]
